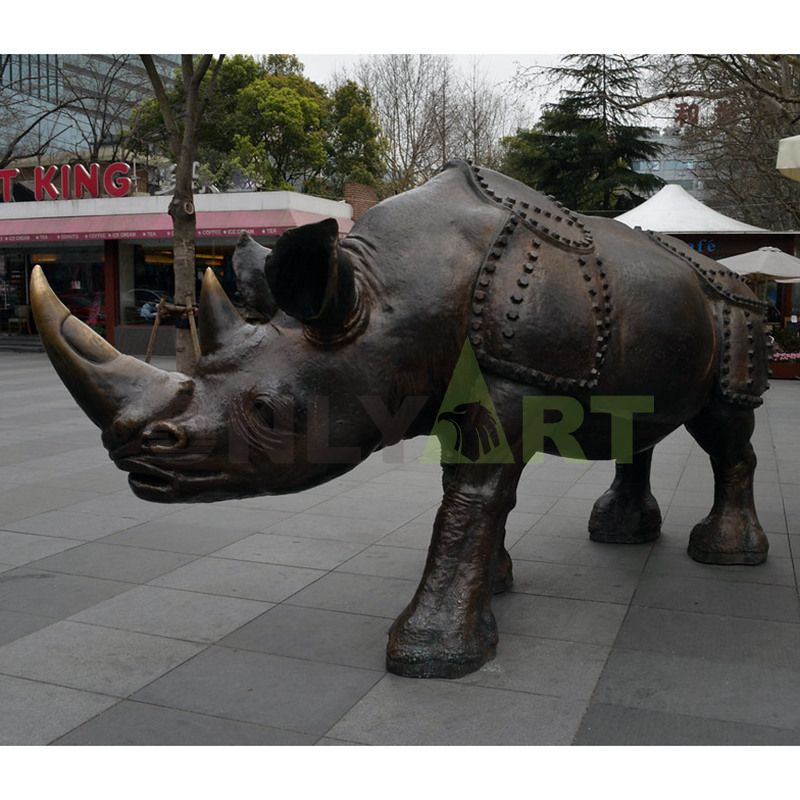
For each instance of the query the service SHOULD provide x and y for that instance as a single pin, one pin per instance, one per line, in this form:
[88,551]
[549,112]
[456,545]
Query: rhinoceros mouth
[166,485]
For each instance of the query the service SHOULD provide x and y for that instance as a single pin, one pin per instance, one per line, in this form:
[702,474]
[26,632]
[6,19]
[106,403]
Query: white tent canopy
[770,262]
[673,210]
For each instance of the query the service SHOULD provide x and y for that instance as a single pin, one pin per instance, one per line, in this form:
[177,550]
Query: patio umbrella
[788,163]
[766,262]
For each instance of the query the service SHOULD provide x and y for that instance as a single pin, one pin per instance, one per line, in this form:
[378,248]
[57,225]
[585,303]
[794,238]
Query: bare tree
[103,96]
[430,113]
[29,125]
[402,88]
[747,103]
[182,128]
[483,118]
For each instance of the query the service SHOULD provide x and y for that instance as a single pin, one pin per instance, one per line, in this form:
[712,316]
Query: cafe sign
[73,181]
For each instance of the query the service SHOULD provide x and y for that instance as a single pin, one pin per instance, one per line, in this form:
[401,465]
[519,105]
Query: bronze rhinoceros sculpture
[358,345]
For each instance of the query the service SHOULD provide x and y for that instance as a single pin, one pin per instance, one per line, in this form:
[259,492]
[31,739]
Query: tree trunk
[184,224]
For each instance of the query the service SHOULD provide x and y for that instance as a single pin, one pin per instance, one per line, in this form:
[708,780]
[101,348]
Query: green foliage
[582,148]
[274,128]
[355,147]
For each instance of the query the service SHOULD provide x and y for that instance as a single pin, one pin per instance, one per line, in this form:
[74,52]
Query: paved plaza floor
[264,621]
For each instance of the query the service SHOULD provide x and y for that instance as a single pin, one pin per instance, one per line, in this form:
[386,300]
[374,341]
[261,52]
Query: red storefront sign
[72,182]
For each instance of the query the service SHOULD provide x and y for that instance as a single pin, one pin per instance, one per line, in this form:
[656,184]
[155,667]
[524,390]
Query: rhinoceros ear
[311,278]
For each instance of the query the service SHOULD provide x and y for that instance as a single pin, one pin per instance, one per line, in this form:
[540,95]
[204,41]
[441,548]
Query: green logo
[467,428]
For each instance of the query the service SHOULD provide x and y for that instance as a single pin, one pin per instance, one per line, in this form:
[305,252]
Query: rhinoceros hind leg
[448,629]
[731,533]
[627,513]
[503,576]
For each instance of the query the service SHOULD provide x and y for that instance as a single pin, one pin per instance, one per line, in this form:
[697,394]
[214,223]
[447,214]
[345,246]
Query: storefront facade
[109,259]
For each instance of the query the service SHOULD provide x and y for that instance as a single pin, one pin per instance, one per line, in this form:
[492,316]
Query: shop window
[153,279]
[76,275]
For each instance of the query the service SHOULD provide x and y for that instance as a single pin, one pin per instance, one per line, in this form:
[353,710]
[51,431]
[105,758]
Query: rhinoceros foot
[425,652]
[732,537]
[620,518]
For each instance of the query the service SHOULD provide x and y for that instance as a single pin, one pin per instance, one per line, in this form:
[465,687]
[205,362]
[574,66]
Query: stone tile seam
[697,718]
[122,700]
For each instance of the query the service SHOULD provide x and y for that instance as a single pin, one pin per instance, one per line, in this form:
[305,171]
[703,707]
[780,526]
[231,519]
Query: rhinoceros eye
[264,410]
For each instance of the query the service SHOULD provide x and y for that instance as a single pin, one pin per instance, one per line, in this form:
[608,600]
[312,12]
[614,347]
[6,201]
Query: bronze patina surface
[353,345]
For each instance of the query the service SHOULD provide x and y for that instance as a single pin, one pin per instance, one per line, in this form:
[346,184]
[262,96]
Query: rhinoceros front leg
[448,630]
[627,513]
[731,533]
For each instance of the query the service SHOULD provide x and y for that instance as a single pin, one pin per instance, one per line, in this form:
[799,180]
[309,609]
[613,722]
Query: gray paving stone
[558,618]
[584,552]
[15,625]
[413,534]
[334,637]
[72,524]
[618,726]
[572,507]
[52,594]
[177,537]
[93,659]
[229,517]
[578,582]
[270,583]
[140,724]
[26,501]
[736,692]
[721,597]
[341,528]
[33,713]
[103,479]
[387,562]
[326,741]
[358,594]
[543,666]
[395,511]
[399,711]
[573,527]
[279,692]
[100,560]
[292,551]
[302,501]
[123,504]
[21,548]
[174,613]
[673,561]
[715,638]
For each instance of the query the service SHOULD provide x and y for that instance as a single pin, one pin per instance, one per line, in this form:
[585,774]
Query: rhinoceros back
[541,308]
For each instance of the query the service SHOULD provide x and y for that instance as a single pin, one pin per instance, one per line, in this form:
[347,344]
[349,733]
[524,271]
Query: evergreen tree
[582,148]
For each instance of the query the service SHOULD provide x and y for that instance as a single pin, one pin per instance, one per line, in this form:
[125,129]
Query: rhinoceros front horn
[113,389]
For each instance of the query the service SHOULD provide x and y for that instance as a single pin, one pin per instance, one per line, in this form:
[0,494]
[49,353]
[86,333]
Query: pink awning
[210,224]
